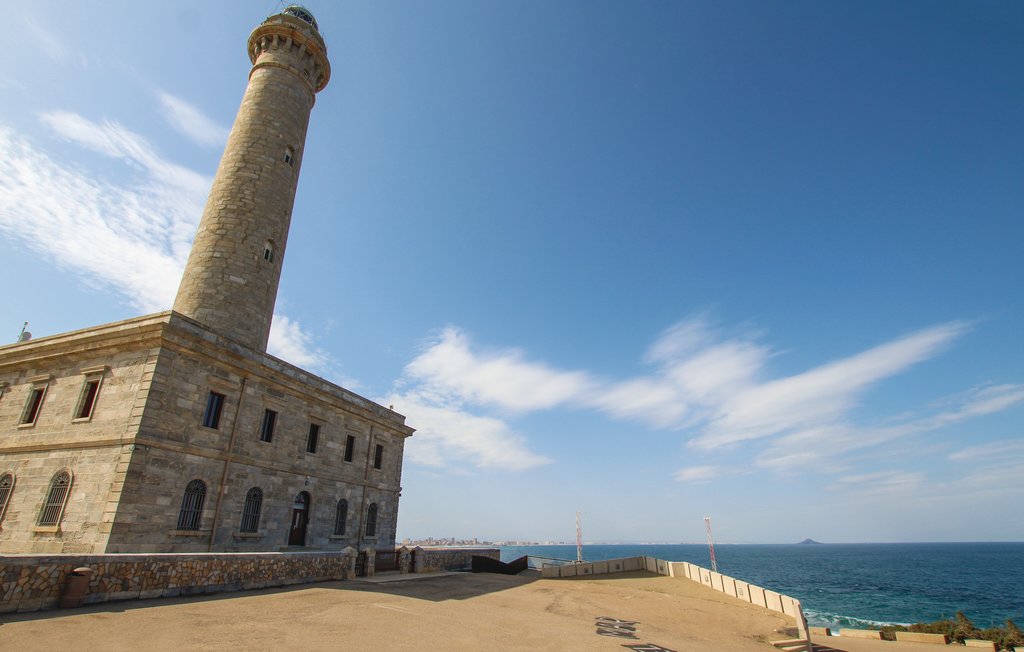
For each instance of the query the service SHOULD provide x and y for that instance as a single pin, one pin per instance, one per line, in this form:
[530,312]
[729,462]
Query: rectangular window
[214,405]
[314,435]
[88,400]
[267,427]
[350,448]
[35,401]
[378,456]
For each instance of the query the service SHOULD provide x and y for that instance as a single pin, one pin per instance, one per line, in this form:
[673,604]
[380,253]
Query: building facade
[177,432]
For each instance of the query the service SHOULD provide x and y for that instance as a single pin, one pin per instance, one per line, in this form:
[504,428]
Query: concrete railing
[731,586]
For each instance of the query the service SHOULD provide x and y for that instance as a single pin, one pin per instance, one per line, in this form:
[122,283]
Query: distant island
[811,541]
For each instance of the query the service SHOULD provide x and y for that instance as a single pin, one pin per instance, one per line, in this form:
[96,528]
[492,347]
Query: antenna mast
[711,543]
[579,540]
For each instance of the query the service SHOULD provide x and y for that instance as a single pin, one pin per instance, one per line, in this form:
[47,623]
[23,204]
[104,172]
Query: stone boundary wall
[723,583]
[428,560]
[33,582]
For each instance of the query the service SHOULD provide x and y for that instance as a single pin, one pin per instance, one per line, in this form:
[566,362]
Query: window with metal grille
[312,439]
[350,447]
[6,487]
[56,498]
[192,505]
[88,400]
[267,427]
[35,401]
[371,520]
[251,510]
[378,456]
[214,405]
[340,517]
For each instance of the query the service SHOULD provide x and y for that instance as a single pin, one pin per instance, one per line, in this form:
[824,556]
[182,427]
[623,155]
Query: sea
[863,585]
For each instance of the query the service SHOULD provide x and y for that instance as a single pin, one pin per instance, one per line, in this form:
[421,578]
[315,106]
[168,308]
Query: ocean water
[857,585]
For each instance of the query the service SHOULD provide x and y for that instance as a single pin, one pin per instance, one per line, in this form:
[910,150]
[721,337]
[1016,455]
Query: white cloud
[824,446]
[50,44]
[880,483]
[713,387]
[290,342]
[447,436]
[503,379]
[821,395]
[698,474]
[191,122]
[131,236]
[1005,448]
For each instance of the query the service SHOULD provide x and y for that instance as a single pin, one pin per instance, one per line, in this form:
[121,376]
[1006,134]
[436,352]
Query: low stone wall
[428,560]
[722,583]
[33,582]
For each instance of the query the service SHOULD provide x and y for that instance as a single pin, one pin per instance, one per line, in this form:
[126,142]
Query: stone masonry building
[177,432]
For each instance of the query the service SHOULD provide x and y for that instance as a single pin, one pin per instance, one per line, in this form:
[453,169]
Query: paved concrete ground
[451,612]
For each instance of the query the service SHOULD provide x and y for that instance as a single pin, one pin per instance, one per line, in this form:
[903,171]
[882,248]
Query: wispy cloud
[880,483]
[52,46]
[1002,449]
[503,378]
[821,395]
[699,474]
[130,235]
[449,436]
[824,446]
[289,341]
[716,389]
[191,122]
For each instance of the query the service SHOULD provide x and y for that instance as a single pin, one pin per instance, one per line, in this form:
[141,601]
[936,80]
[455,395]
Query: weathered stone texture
[229,285]
[29,583]
[132,458]
[427,560]
[145,442]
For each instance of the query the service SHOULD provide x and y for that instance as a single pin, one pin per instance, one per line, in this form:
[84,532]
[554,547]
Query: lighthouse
[231,278]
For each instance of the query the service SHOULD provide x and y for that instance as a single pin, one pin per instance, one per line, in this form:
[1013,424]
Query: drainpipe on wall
[227,462]
[366,484]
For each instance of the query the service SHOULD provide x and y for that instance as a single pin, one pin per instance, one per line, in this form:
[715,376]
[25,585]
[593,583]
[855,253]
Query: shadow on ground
[434,587]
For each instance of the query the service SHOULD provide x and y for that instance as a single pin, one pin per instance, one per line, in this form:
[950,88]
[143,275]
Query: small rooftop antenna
[24,335]
[579,540]
[711,543]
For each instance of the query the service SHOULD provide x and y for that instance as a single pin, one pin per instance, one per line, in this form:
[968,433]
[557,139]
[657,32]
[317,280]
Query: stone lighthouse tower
[230,281]
[176,432]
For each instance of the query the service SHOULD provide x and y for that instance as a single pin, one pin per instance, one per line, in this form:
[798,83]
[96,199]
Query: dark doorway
[300,517]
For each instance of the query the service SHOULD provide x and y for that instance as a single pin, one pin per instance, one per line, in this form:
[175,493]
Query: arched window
[56,498]
[192,505]
[251,510]
[340,517]
[289,156]
[6,487]
[268,251]
[371,520]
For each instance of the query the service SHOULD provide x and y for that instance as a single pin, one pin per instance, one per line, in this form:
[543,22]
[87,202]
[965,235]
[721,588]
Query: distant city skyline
[648,262]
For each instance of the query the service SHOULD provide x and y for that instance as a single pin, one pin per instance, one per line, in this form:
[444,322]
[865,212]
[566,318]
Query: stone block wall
[31,582]
[427,560]
[132,458]
[95,448]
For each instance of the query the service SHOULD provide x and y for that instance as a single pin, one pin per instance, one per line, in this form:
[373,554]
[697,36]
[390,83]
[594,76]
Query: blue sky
[649,261]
